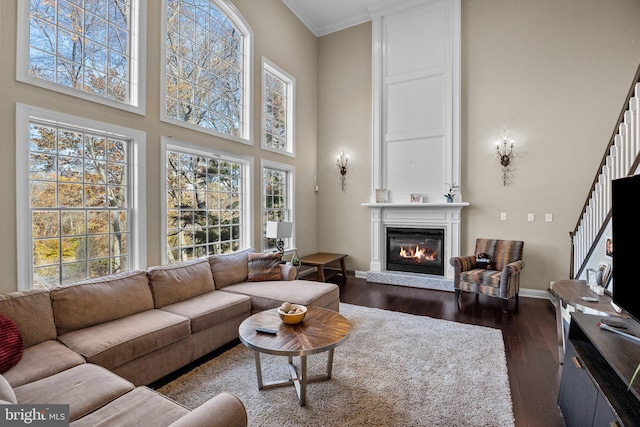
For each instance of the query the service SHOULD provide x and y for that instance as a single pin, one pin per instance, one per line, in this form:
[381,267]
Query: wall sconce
[505,153]
[342,163]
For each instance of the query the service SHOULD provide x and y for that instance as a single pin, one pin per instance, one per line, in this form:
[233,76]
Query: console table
[570,292]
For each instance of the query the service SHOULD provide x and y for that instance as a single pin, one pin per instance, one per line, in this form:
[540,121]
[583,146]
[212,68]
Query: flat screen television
[625,217]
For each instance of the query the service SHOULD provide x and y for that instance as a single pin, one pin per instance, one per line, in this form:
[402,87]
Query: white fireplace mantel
[445,216]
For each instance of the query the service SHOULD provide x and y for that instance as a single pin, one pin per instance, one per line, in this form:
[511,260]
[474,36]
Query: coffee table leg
[256,355]
[329,364]
[303,380]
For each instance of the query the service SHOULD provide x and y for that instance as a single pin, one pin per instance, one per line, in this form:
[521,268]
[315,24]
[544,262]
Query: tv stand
[597,369]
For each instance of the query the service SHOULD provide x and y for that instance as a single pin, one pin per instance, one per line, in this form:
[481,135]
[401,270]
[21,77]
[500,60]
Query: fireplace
[416,250]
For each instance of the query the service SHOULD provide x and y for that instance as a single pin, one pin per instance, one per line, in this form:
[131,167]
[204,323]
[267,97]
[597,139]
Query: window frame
[168,143]
[137,66]
[230,10]
[137,188]
[290,171]
[290,82]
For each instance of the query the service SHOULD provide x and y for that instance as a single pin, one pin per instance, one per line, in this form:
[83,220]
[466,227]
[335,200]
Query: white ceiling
[326,16]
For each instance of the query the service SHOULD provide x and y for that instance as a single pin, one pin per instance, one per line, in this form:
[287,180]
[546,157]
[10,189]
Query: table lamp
[279,230]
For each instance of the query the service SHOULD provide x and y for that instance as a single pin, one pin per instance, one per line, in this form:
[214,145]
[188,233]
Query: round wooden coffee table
[321,330]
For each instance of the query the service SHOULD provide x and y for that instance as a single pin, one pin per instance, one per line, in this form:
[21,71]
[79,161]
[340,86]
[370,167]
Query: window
[278,96]
[206,203]
[277,199]
[208,68]
[81,196]
[88,49]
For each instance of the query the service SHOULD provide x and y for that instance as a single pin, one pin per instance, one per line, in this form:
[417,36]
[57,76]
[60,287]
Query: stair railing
[620,159]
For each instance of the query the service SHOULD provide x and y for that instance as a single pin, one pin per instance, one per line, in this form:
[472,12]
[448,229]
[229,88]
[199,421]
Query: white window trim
[269,66]
[138,67]
[290,170]
[138,173]
[247,100]
[169,143]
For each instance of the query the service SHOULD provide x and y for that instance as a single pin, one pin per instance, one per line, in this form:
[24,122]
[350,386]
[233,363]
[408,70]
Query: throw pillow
[264,267]
[11,347]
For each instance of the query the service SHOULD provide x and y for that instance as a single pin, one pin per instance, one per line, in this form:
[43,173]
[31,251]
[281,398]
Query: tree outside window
[276,201]
[204,205]
[205,67]
[78,200]
[84,45]
[278,93]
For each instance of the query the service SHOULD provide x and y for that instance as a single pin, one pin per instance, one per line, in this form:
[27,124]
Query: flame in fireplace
[418,253]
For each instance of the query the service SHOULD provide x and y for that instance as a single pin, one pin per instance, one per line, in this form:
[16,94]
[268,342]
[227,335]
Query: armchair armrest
[514,267]
[463,263]
[224,410]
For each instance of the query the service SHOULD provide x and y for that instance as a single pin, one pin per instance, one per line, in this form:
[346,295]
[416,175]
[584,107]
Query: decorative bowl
[292,319]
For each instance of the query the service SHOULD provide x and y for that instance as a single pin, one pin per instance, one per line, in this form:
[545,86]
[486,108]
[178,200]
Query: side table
[323,260]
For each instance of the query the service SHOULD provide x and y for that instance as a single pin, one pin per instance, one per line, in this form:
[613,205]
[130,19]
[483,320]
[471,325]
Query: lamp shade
[279,230]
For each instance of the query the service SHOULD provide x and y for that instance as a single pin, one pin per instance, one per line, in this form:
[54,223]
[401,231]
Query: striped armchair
[501,279]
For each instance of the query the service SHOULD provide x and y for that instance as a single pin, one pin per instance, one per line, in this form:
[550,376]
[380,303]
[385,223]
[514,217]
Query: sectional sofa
[95,345]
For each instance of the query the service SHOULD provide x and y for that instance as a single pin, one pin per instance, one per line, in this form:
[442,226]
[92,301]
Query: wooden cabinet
[597,368]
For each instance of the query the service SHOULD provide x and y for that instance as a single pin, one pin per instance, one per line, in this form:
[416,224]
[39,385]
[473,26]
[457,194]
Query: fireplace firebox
[415,250]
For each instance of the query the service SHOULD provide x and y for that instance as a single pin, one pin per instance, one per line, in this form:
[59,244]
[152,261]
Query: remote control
[590,299]
[267,331]
[615,323]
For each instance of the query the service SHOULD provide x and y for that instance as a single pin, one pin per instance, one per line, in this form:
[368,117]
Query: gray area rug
[394,369]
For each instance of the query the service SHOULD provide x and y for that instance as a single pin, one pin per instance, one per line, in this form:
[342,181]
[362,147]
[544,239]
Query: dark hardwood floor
[529,337]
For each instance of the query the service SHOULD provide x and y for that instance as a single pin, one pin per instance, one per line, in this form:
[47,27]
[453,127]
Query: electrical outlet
[531,217]
[503,216]
[549,217]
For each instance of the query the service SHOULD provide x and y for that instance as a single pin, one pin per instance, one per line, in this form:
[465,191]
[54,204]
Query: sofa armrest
[224,410]
[463,263]
[289,272]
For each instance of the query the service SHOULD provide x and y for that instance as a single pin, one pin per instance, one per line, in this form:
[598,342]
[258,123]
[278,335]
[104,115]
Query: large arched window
[207,68]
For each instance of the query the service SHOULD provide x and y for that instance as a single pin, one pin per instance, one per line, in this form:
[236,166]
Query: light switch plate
[531,217]
[549,217]
[503,216]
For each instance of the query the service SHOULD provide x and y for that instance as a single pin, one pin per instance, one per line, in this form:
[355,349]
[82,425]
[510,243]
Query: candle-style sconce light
[342,164]
[505,153]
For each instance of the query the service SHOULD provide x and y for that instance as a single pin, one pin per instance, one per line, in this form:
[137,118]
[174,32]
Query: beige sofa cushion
[266,295]
[115,343]
[6,391]
[42,360]
[84,388]
[181,281]
[229,269]
[101,300]
[211,309]
[139,407]
[31,310]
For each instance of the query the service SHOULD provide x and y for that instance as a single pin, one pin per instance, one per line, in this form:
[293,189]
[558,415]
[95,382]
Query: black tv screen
[625,194]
